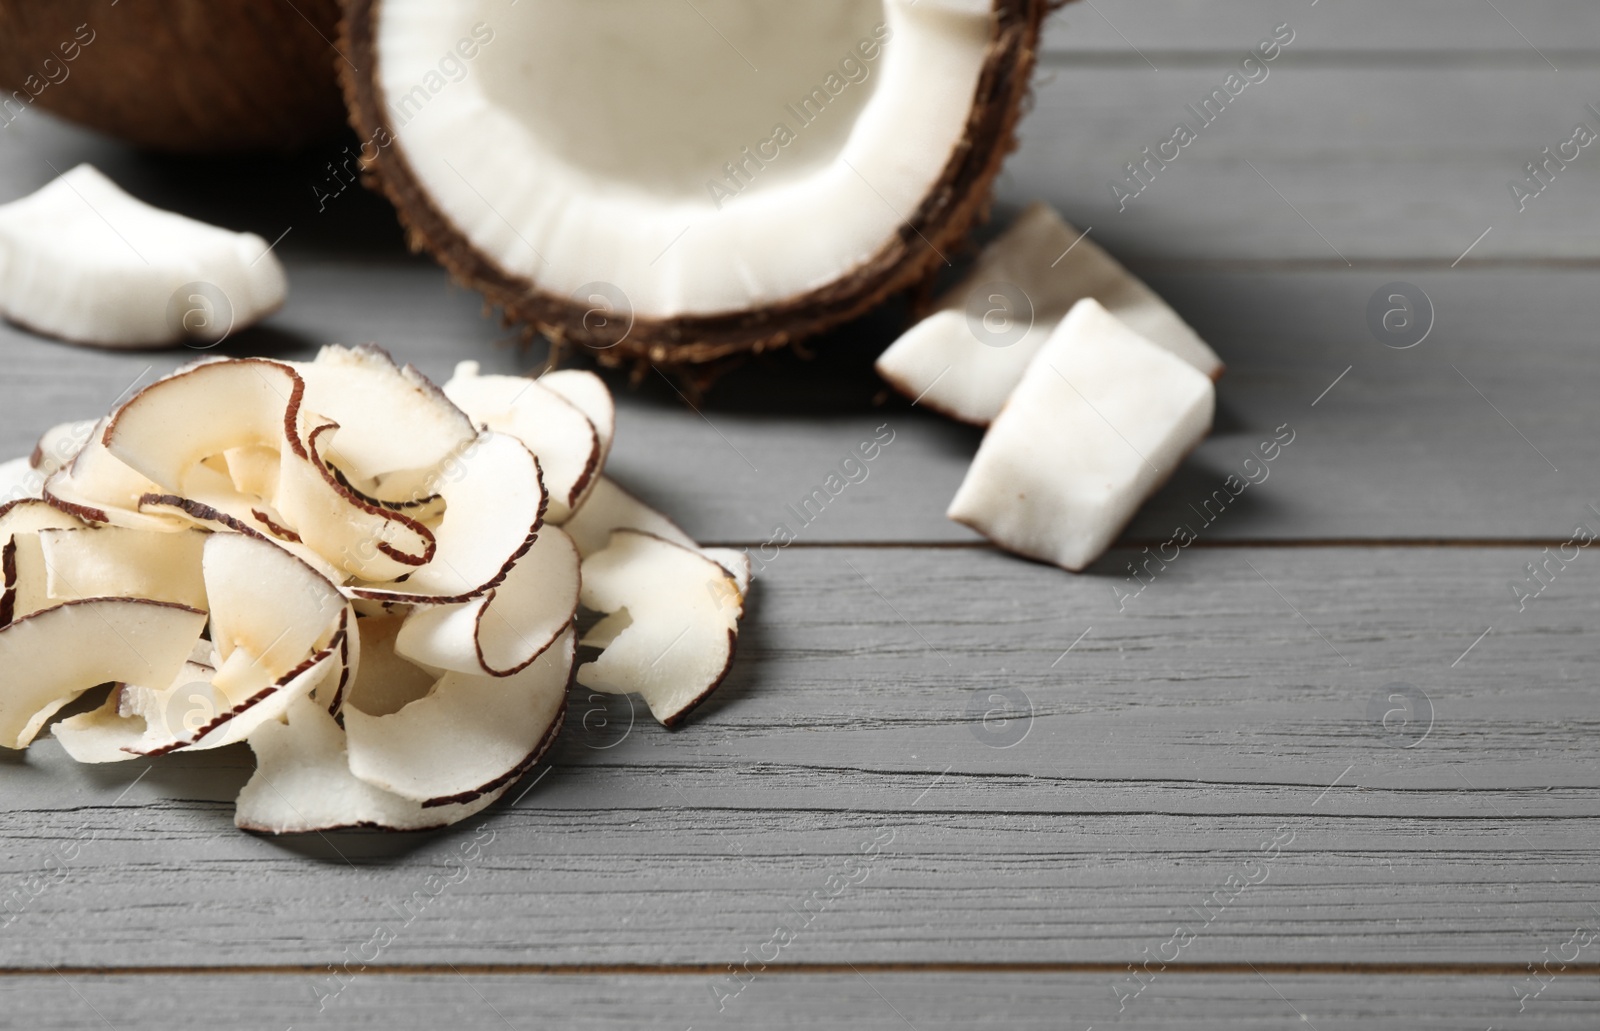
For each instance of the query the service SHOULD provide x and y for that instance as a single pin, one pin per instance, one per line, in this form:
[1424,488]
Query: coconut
[184,76]
[681,183]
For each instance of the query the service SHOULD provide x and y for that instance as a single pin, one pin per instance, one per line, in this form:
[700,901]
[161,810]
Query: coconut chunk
[966,358]
[682,612]
[51,657]
[558,433]
[83,261]
[390,417]
[469,736]
[502,632]
[1098,423]
[303,783]
[114,562]
[494,503]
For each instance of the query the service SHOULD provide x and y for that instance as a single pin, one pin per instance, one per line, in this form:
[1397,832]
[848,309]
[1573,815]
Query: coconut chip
[350,569]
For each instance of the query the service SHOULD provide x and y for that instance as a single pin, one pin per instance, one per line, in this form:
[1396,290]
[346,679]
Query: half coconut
[679,183]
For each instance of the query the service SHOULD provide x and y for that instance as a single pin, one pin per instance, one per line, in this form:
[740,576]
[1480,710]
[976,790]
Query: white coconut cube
[1099,421]
[966,358]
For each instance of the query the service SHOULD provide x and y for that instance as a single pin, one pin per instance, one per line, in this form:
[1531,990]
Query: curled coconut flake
[502,632]
[97,487]
[23,579]
[469,736]
[494,503]
[226,405]
[589,394]
[558,433]
[392,418]
[60,445]
[609,508]
[672,622]
[303,783]
[51,657]
[115,562]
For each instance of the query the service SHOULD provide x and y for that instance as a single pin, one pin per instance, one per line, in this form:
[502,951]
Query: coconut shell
[181,76]
[908,260]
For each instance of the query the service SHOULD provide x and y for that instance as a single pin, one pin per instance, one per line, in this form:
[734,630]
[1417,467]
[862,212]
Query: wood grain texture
[1464,31]
[1254,689]
[1398,449]
[869,999]
[1137,774]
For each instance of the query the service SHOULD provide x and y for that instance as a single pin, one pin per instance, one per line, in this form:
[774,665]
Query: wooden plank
[1167,749]
[1357,164]
[868,999]
[1365,461]
[1431,27]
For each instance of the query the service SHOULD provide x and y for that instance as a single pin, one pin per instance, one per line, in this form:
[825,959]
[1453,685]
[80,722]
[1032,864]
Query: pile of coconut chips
[372,580]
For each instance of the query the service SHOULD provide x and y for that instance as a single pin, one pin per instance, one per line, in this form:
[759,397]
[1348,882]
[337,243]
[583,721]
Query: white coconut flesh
[200,550]
[83,261]
[420,752]
[966,358]
[24,578]
[60,444]
[1100,420]
[390,418]
[113,562]
[590,395]
[672,622]
[51,657]
[502,632]
[494,503]
[610,508]
[581,145]
[303,783]
[557,431]
[19,479]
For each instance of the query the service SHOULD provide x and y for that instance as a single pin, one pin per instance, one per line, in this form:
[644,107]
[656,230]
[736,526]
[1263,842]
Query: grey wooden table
[1326,769]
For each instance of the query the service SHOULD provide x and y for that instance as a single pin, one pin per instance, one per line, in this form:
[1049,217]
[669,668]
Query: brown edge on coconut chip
[222,719]
[8,585]
[511,775]
[672,722]
[733,635]
[960,197]
[371,508]
[204,513]
[402,598]
[291,407]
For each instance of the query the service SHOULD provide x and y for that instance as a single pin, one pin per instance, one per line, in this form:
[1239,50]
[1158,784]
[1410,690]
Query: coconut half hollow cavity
[338,563]
[83,261]
[679,183]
